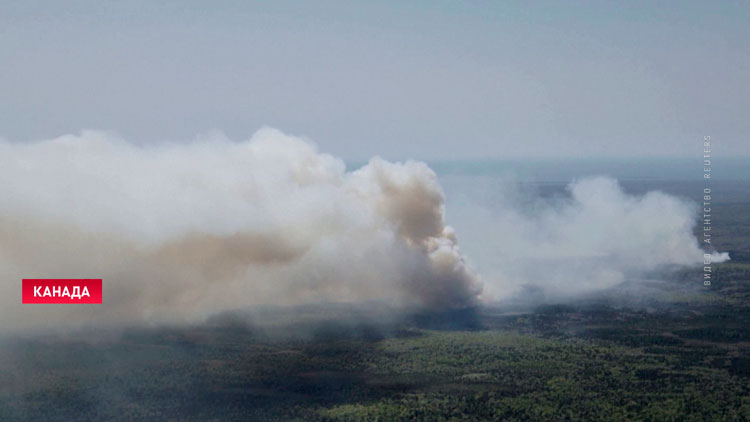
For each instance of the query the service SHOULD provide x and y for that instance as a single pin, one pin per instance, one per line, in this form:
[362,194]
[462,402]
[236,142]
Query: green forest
[681,352]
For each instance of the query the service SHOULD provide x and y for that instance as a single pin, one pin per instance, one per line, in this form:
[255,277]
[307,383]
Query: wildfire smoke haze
[182,231]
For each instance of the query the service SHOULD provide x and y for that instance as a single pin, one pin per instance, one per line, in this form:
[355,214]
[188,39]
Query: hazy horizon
[438,81]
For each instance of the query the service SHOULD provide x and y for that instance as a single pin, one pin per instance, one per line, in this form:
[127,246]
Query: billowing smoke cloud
[180,231]
[593,238]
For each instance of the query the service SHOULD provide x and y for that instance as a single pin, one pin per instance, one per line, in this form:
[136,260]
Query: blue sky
[424,80]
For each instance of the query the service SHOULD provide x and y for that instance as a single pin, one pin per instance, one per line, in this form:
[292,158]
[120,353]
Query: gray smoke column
[592,238]
[181,231]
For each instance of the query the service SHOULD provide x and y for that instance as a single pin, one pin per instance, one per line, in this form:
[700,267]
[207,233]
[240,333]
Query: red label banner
[65,290]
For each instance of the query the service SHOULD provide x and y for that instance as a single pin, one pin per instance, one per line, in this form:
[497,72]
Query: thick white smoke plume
[593,238]
[182,231]
[179,231]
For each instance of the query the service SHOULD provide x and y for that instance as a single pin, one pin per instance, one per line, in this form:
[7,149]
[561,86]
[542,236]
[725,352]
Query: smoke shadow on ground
[235,366]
